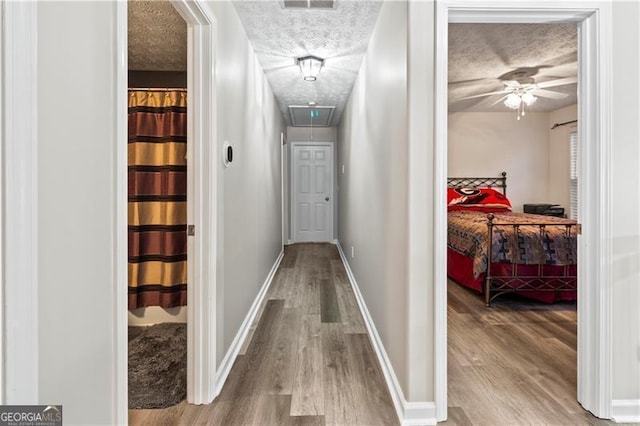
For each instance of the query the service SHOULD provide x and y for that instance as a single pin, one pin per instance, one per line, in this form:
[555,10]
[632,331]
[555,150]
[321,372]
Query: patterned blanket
[529,244]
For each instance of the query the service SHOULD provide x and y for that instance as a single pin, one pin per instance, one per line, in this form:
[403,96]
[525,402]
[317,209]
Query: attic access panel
[304,116]
[308,4]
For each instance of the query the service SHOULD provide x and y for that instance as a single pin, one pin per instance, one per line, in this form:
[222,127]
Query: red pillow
[477,199]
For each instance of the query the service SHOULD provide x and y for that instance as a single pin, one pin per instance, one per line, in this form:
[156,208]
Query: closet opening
[158,137]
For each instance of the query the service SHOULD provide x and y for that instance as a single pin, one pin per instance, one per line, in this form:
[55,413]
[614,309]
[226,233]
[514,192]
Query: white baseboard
[230,357]
[625,410]
[409,413]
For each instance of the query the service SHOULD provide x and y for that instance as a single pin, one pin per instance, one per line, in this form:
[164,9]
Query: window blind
[573,147]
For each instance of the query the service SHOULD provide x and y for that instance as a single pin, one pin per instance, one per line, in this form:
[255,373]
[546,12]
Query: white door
[312,192]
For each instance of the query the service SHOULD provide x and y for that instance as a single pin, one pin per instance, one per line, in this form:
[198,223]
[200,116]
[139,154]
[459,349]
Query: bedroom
[532,142]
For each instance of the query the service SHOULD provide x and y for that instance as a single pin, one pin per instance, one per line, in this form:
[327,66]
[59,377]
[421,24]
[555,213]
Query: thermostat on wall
[227,154]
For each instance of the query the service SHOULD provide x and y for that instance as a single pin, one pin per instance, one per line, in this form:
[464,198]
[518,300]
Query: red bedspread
[556,245]
[555,248]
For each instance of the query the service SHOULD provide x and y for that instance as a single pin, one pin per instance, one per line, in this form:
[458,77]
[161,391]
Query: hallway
[308,360]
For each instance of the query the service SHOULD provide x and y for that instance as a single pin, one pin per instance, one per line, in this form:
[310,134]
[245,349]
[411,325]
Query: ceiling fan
[520,89]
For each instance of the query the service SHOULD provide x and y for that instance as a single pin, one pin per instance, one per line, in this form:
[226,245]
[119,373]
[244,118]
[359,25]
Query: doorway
[157,205]
[202,183]
[594,363]
[312,195]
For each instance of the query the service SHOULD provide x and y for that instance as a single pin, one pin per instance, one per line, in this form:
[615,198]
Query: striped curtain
[157,198]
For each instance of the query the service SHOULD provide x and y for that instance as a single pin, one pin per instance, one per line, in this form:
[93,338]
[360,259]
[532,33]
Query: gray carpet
[157,365]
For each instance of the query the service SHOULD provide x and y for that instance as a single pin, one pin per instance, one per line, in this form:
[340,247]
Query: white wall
[372,146]
[487,143]
[559,189]
[536,158]
[76,208]
[310,134]
[250,212]
[625,206]
[77,136]
[150,315]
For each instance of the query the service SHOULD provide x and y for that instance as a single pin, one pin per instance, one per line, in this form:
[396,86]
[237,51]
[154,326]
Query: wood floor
[307,361]
[512,364]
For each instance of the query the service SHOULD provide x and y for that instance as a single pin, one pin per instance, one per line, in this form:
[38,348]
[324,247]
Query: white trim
[594,75]
[292,194]
[241,336]
[20,201]
[420,263]
[409,413]
[121,383]
[440,213]
[2,300]
[202,167]
[594,211]
[283,207]
[419,413]
[625,410]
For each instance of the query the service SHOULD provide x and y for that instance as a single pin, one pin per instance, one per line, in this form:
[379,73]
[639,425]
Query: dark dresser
[544,209]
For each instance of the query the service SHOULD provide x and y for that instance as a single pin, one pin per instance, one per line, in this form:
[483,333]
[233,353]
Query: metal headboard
[499,183]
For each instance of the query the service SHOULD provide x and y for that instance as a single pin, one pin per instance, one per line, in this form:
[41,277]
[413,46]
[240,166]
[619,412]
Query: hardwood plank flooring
[307,359]
[512,364]
[308,395]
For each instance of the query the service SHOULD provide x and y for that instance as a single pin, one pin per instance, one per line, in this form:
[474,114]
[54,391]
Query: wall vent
[309,4]
[317,116]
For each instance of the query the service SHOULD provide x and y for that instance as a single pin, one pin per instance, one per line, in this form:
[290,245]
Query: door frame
[19,199]
[203,161]
[292,194]
[594,212]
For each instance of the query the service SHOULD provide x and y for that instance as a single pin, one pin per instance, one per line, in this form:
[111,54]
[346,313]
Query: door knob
[326,198]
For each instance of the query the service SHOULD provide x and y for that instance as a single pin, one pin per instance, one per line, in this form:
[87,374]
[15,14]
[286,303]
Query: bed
[531,255]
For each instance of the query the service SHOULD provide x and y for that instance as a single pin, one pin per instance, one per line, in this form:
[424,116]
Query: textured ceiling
[480,53]
[157,37]
[339,35]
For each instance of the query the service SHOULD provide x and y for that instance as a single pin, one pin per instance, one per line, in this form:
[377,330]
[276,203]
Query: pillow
[477,199]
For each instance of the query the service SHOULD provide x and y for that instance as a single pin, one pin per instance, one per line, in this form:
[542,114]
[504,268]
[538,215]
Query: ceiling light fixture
[519,97]
[310,67]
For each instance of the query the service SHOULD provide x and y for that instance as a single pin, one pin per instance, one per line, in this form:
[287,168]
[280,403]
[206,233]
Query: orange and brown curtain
[157,198]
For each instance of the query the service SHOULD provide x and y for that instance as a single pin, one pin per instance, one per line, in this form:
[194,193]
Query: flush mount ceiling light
[310,67]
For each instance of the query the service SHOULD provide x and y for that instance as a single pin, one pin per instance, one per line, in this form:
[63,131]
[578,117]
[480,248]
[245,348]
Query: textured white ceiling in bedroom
[340,35]
[479,53]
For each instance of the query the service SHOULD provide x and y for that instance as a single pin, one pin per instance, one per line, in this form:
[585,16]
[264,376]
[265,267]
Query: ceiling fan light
[513,101]
[310,67]
[528,98]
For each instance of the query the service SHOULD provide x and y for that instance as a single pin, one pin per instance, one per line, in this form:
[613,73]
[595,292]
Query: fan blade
[500,99]
[468,81]
[549,94]
[560,82]
[485,94]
